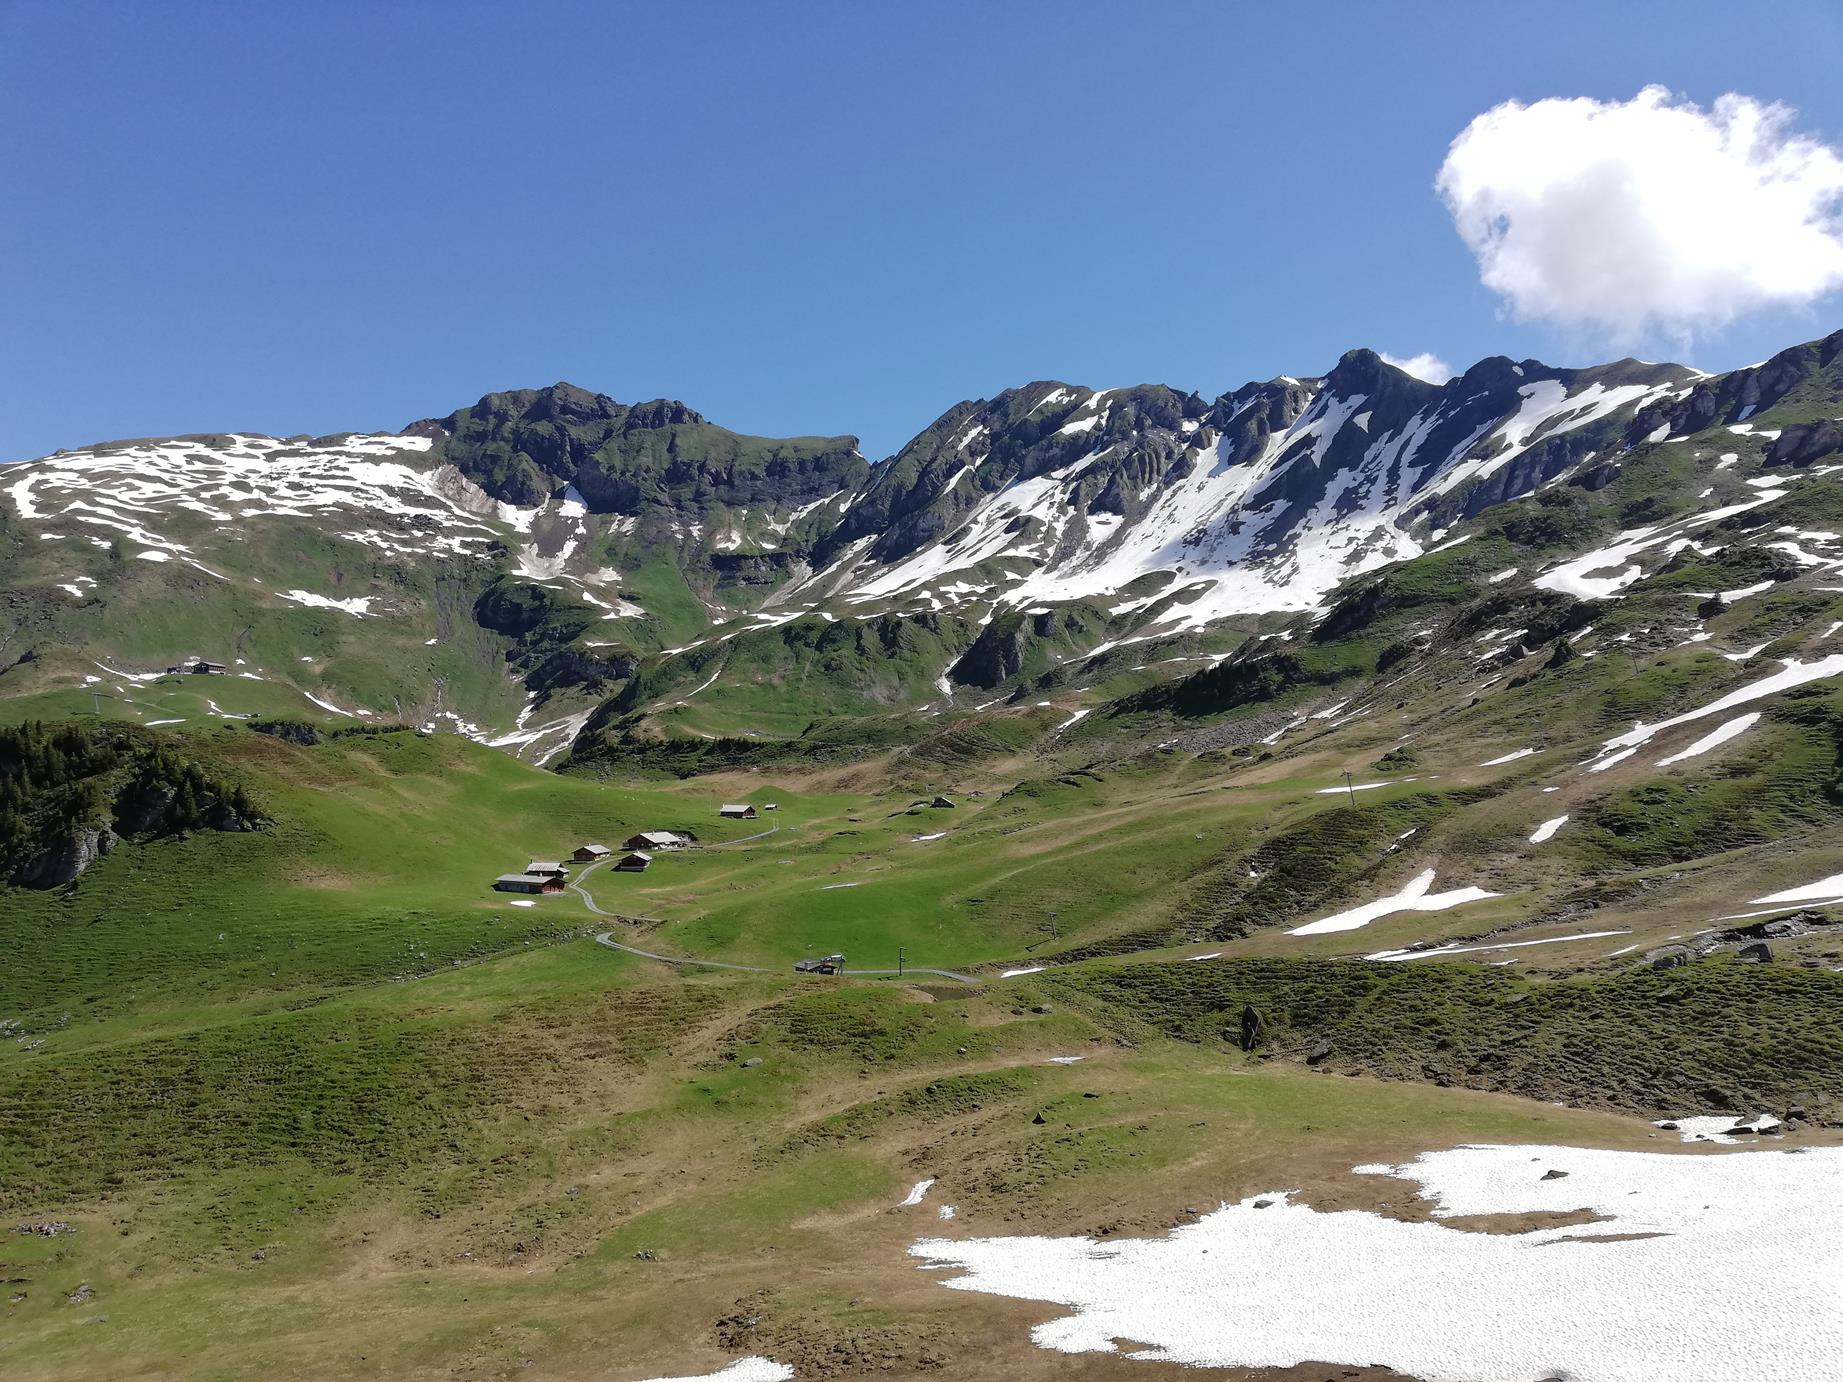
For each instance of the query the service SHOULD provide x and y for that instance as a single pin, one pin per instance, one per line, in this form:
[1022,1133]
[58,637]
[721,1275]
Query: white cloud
[1423,366]
[1647,214]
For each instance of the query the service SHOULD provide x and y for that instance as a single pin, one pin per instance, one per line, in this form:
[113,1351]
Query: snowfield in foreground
[751,1369]
[1699,1266]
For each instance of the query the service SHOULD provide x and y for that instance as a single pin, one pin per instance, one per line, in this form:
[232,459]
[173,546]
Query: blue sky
[795,217]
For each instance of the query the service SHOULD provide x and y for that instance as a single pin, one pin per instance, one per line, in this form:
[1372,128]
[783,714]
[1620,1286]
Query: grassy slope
[326,1106]
[418,656]
[380,866]
[1642,1038]
[460,1174]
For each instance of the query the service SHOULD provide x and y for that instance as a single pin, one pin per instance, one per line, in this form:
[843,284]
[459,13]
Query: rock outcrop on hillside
[71,792]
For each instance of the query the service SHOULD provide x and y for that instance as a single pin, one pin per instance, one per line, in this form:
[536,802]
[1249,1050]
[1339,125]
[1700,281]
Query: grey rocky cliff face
[1802,443]
[1735,397]
[999,652]
[66,861]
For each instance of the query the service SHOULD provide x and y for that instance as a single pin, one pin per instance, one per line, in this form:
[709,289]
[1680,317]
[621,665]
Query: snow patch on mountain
[1414,896]
[1234,525]
[1793,673]
[360,606]
[230,480]
[182,498]
[1605,571]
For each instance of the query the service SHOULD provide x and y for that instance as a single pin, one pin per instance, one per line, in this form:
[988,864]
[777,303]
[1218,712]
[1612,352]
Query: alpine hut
[528,883]
[655,839]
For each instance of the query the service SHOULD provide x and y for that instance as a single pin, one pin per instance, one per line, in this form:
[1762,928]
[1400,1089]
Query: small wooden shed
[546,868]
[635,862]
[591,854]
[736,811]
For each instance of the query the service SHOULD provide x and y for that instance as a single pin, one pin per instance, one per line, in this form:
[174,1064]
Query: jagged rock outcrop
[66,858]
[1735,397]
[1010,643]
[1799,444]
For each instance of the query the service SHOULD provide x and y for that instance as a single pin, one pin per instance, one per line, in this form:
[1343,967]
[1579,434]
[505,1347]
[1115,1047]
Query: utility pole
[1054,933]
[1348,788]
[902,955]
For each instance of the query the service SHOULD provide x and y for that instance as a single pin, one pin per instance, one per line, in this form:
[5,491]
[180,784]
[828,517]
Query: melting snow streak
[1824,890]
[1412,898]
[1713,739]
[1546,831]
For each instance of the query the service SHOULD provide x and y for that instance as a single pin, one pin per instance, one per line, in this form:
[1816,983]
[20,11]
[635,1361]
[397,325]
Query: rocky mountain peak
[1495,374]
[661,412]
[560,402]
[1383,386]
[525,445]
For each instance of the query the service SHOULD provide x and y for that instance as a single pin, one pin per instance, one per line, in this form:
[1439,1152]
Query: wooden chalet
[528,883]
[655,840]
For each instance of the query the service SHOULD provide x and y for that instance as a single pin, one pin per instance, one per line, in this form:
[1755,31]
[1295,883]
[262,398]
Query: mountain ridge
[519,563]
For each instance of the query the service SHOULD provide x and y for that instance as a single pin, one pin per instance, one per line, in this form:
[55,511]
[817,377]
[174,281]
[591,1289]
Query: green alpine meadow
[539,878]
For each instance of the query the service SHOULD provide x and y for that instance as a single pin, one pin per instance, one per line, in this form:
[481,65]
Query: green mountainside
[1206,796]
